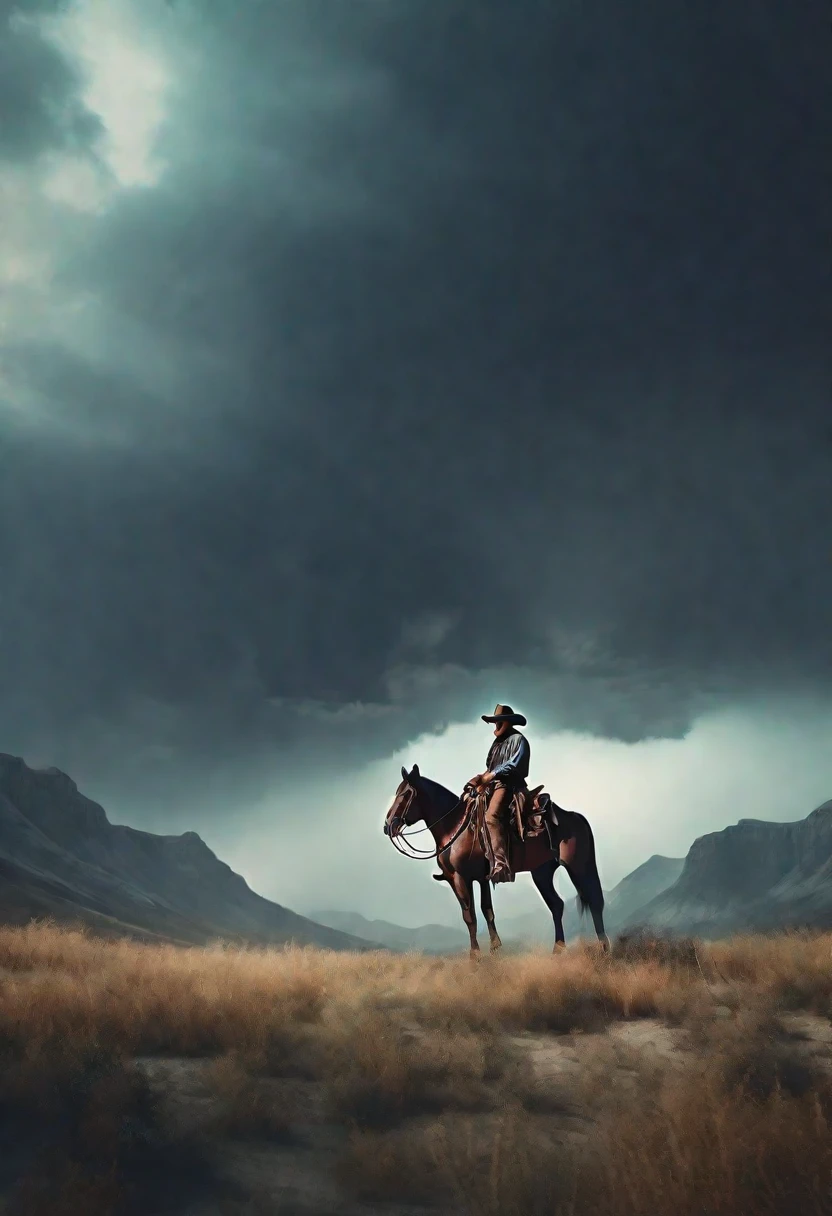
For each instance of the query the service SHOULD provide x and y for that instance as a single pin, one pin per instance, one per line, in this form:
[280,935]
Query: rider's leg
[495,824]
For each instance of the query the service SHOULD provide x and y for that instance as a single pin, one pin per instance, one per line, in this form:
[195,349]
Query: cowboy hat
[504,713]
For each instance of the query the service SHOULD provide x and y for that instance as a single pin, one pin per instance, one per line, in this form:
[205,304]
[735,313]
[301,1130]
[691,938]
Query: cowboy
[507,768]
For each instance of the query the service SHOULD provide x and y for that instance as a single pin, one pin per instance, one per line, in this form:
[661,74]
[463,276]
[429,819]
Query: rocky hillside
[638,888]
[61,857]
[753,875]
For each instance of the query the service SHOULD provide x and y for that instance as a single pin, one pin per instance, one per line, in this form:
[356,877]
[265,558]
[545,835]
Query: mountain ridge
[753,875]
[429,938]
[60,856]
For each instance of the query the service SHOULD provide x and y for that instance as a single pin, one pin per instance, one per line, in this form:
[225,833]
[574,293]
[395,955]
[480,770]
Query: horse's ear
[414,773]
[405,774]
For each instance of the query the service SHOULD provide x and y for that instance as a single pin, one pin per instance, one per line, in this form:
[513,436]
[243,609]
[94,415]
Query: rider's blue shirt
[509,758]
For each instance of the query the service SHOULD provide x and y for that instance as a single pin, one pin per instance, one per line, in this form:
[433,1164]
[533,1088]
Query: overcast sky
[364,363]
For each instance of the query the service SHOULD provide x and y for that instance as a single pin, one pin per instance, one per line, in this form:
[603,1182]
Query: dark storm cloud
[40,106]
[512,318]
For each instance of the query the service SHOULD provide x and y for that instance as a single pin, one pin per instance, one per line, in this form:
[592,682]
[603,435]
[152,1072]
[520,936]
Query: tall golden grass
[66,984]
[743,1131]
[415,1055]
[694,1149]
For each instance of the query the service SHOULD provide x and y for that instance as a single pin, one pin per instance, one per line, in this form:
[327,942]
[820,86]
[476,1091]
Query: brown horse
[463,862]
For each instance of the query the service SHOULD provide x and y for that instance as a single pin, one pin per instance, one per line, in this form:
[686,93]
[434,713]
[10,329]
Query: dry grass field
[664,1078]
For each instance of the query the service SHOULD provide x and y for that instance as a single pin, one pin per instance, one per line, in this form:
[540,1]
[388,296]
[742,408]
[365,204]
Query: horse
[463,862]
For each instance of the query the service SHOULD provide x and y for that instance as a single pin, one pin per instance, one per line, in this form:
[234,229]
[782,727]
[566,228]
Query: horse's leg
[600,931]
[597,915]
[544,879]
[465,894]
[488,912]
[591,900]
[582,868]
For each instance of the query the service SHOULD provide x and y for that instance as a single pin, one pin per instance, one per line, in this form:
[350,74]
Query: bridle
[415,854]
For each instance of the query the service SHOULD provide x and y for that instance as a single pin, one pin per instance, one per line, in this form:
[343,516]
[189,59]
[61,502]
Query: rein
[429,854]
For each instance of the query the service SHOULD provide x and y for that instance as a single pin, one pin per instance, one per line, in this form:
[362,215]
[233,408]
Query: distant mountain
[60,857]
[752,876]
[438,939]
[429,939]
[639,887]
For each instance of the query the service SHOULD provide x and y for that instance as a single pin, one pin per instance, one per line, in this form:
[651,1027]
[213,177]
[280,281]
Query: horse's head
[405,810]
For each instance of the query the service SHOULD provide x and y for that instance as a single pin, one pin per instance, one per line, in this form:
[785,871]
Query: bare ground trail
[298,1173]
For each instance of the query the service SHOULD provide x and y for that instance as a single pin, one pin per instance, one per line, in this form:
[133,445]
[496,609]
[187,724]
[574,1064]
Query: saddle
[531,813]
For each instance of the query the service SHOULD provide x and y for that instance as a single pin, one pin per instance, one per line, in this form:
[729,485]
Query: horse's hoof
[559,946]
[496,946]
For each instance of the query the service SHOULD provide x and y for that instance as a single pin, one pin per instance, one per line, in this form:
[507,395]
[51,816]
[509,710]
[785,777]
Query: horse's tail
[588,882]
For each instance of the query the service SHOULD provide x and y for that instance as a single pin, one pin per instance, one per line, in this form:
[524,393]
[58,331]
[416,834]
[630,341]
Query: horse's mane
[438,793]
